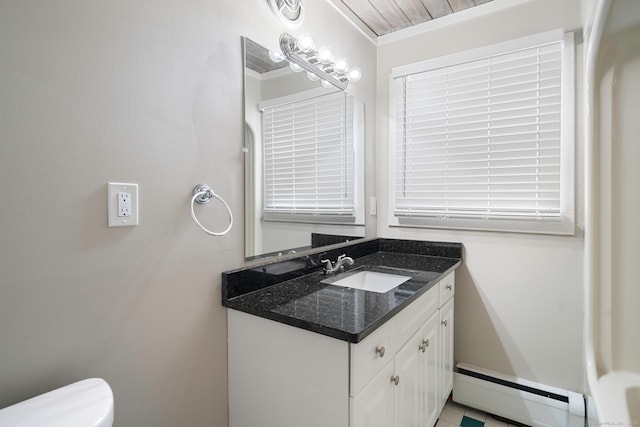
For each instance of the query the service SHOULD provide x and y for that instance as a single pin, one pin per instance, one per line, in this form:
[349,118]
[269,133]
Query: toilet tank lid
[84,403]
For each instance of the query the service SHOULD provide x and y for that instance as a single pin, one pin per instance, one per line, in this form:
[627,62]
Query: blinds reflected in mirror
[309,157]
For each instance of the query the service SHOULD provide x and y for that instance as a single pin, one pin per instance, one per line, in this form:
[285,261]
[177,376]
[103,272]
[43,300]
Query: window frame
[565,224]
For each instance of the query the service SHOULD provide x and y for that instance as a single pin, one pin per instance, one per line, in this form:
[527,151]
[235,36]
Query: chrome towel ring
[203,195]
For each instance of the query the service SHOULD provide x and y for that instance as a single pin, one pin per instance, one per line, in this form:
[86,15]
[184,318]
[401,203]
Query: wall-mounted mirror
[304,159]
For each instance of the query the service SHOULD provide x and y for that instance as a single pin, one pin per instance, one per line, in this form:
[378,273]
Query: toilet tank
[81,404]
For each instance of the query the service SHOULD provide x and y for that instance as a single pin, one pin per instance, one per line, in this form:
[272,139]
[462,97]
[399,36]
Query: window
[484,138]
[309,159]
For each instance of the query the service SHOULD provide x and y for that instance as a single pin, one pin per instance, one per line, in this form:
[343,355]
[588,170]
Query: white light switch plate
[115,192]
[373,206]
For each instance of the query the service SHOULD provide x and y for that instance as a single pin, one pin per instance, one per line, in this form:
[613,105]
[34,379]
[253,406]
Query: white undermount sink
[368,281]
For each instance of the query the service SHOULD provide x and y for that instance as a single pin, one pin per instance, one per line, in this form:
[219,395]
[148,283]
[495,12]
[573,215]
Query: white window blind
[482,138]
[309,157]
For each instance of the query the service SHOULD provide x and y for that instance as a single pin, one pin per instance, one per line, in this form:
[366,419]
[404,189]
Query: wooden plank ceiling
[387,16]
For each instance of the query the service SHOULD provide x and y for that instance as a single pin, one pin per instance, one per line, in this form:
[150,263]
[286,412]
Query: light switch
[373,206]
[122,204]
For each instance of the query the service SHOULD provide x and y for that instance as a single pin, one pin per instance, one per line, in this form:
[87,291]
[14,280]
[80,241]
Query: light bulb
[276,56]
[341,65]
[295,67]
[354,74]
[325,55]
[312,76]
[306,43]
[326,84]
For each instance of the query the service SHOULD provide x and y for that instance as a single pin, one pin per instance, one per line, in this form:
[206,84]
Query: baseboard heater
[517,399]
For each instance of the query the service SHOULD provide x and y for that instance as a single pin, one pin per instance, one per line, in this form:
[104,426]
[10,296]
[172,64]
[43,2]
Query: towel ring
[203,195]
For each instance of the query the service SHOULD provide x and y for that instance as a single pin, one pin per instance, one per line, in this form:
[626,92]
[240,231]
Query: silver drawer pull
[380,351]
[424,345]
[449,287]
[395,380]
[444,322]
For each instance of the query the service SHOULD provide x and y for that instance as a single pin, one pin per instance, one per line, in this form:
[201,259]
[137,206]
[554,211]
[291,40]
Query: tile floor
[455,415]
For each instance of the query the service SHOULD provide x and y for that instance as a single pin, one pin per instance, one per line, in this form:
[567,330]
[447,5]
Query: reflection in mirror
[304,159]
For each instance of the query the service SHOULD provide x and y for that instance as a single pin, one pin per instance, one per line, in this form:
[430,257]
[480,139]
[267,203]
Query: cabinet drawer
[409,320]
[447,288]
[371,354]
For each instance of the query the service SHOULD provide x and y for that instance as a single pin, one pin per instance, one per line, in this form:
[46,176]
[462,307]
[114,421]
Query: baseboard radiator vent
[517,399]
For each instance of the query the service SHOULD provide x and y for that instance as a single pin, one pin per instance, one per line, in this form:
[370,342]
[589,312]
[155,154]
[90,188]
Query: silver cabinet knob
[380,351]
[444,322]
[449,287]
[395,379]
[424,345]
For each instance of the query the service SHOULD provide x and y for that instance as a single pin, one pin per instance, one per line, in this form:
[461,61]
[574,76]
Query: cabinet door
[373,406]
[430,370]
[446,353]
[408,390]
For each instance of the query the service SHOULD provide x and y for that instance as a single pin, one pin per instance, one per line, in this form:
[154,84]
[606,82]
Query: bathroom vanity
[306,353]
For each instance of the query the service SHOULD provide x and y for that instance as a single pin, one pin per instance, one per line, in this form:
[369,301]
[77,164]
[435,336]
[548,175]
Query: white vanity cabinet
[421,370]
[446,351]
[400,375]
[407,387]
[447,290]
[408,375]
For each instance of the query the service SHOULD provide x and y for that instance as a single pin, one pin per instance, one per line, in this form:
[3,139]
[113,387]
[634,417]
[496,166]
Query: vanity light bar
[308,58]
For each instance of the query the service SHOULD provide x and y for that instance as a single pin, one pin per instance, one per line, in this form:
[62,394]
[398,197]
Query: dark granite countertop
[300,299]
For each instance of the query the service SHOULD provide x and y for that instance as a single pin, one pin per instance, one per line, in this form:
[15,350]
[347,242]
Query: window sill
[564,226]
[312,219]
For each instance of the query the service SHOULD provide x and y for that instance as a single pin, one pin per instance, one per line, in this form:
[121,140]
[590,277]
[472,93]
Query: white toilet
[87,403]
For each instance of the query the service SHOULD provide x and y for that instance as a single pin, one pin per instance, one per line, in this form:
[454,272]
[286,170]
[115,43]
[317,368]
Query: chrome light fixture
[319,64]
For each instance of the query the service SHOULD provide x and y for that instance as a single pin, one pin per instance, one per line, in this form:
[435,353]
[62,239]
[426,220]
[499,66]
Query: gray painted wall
[518,296]
[147,92]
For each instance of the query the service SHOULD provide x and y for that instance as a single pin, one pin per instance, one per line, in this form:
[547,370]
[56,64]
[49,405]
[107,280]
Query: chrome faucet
[330,268]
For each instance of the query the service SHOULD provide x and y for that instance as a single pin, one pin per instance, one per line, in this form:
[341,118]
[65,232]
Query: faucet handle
[341,257]
[327,264]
